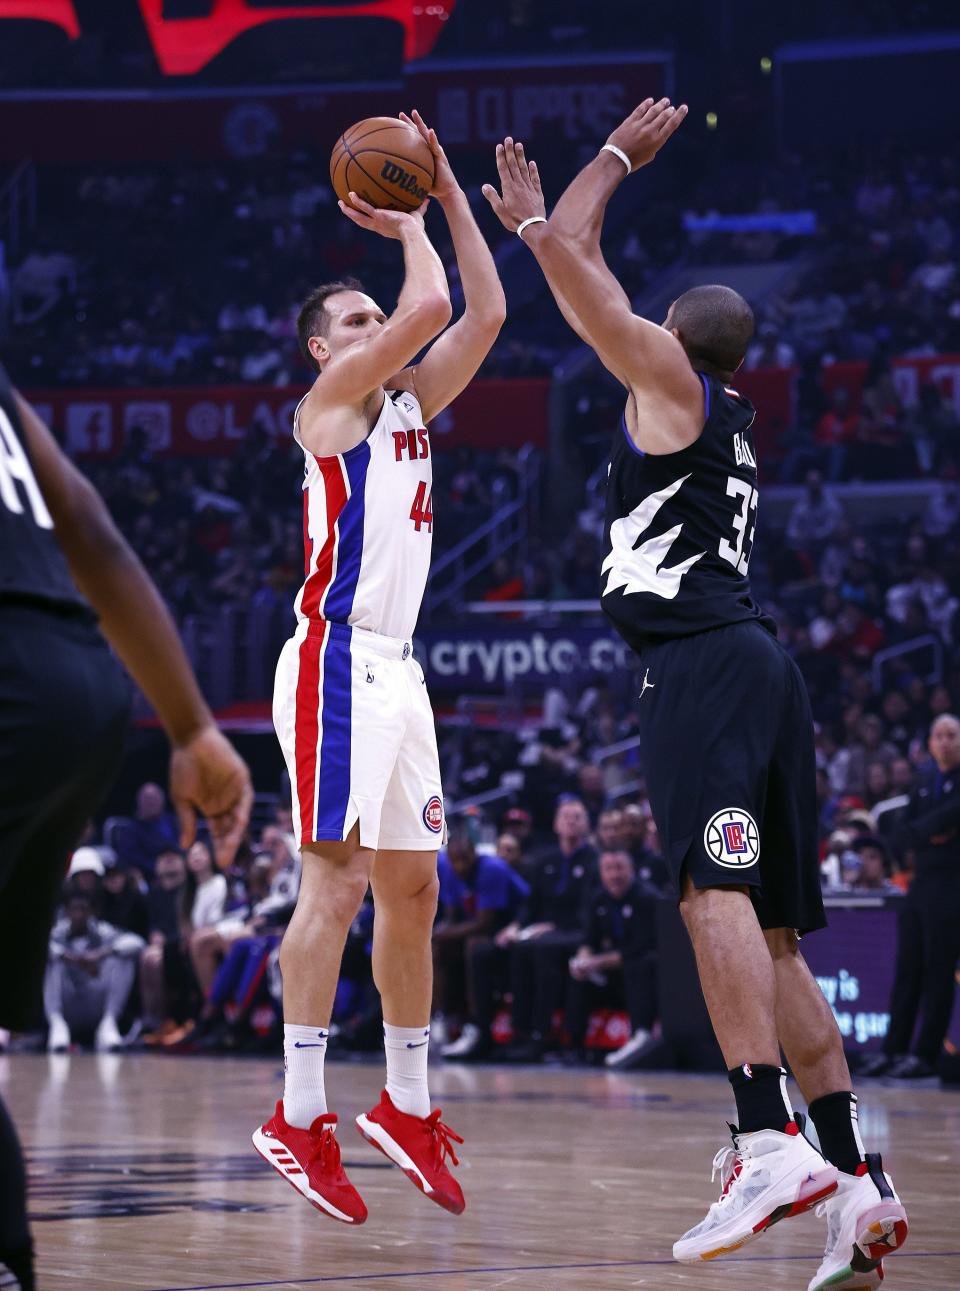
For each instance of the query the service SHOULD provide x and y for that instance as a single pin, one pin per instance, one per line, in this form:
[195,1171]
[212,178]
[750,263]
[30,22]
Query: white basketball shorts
[356,728]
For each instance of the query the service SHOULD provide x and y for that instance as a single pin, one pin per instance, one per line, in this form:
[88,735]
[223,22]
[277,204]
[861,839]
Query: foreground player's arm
[206,773]
[453,359]
[531,203]
[423,310]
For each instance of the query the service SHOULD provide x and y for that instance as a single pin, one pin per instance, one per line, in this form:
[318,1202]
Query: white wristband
[534,219]
[618,152]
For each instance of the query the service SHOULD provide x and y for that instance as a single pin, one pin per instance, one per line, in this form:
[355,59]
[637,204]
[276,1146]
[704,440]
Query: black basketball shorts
[728,750]
[63,711]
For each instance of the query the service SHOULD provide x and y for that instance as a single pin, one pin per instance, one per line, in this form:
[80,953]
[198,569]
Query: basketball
[384,161]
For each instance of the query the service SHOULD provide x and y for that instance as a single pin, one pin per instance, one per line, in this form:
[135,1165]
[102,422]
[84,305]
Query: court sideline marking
[530,1268]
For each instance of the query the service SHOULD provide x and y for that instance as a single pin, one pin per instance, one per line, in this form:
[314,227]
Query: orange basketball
[384,161]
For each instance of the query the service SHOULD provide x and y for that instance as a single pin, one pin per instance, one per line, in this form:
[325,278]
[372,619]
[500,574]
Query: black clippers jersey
[32,566]
[679,528]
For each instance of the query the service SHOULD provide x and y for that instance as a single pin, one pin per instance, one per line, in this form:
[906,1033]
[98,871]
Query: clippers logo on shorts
[433,815]
[731,838]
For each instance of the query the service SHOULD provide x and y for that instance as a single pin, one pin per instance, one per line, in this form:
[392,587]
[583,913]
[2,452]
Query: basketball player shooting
[724,715]
[350,705]
[64,704]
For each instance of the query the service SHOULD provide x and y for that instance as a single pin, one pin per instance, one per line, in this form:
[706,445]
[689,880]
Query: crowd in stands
[545,939]
[877,276]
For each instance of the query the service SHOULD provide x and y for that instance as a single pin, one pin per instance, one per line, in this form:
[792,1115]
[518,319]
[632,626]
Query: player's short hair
[715,325]
[313,319]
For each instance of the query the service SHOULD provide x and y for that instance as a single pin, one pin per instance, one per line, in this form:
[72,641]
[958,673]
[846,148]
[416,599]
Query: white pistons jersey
[368,525]
[350,705]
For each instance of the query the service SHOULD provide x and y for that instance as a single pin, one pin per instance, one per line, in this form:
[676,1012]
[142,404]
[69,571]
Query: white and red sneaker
[766,1176]
[865,1221]
[310,1161]
[419,1145]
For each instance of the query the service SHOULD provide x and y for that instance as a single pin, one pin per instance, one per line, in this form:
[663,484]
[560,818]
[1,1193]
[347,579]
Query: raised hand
[444,181]
[389,224]
[647,129]
[522,195]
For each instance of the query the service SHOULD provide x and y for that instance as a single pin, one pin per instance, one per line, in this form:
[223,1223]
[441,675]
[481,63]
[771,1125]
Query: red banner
[471,105]
[772,391]
[210,421]
[909,377]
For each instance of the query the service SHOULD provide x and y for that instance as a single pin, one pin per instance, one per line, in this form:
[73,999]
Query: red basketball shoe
[419,1146]
[310,1160]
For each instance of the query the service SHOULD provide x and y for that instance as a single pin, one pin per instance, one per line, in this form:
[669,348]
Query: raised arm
[206,774]
[453,359]
[423,310]
[511,223]
[641,354]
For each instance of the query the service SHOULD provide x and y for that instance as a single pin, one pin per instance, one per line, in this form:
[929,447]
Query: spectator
[610,832]
[815,515]
[519,822]
[542,938]
[510,850]
[591,790]
[928,929]
[277,869]
[40,281]
[643,844]
[157,961]
[89,977]
[875,866]
[152,830]
[85,874]
[479,895]
[943,510]
[204,889]
[615,964]
[836,432]
[122,903]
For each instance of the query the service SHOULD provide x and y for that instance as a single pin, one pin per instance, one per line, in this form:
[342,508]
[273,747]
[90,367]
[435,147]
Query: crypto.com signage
[184,46]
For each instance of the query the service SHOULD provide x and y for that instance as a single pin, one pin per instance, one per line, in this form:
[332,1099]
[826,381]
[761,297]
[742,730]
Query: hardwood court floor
[144,1179]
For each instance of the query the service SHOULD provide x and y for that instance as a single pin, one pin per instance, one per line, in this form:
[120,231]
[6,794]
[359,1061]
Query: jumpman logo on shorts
[647,685]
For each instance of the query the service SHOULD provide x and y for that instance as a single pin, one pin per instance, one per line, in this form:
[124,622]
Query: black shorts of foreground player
[726,724]
[728,733]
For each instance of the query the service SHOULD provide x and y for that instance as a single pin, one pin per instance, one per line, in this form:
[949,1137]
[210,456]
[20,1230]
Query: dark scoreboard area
[53,43]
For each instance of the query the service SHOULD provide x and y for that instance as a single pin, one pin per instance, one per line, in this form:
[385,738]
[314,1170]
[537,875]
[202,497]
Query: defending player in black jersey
[724,715]
[63,711]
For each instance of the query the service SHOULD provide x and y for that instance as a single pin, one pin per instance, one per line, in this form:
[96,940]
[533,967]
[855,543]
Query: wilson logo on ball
[433,815]
[731,838]
[402,179]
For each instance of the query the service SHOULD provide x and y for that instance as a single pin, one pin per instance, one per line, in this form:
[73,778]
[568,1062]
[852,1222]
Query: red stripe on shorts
[336,498]
[307,730]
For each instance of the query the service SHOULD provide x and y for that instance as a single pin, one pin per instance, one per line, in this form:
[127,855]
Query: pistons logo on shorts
[731,838]
[433,815]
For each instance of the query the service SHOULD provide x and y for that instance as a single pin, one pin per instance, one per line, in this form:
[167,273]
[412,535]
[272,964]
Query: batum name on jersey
[368,525]
[679,528]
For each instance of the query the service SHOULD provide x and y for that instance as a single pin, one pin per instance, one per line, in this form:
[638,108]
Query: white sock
[407,1049]
[304,1097]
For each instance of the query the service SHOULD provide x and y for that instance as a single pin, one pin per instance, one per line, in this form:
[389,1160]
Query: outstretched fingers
[513,165]
[672,120]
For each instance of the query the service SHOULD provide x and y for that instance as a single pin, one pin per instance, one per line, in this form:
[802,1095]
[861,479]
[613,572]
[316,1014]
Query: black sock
[835,1116]
[761,1094]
